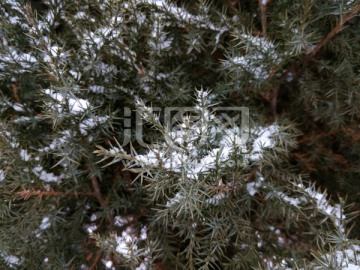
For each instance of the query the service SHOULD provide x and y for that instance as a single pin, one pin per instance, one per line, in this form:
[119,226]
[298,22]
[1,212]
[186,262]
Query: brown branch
[338,27]
[273,96]
[97,191]
[98,257]
[273,101]
[231,5]
[263,10]
[15,90]
[304,161]
[26,194]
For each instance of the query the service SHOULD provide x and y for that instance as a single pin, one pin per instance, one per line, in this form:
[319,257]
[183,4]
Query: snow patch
[91,123]
[24,155]
[260,57]
[73,104]
[263,141]
[45,224]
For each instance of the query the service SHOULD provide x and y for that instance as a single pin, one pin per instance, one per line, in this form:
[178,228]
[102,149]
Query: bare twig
[98,257]
[273,101]
[97,191]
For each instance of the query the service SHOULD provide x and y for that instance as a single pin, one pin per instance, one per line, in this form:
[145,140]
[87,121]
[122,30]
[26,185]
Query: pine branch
[272,95]
[338,28]
[198,181]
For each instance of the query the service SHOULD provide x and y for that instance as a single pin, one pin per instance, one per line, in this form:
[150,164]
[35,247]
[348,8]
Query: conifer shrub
[155,134]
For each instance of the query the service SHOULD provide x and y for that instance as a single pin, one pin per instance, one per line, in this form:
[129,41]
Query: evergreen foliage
[92,175]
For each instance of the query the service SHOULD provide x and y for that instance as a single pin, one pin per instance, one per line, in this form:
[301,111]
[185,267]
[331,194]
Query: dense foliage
[155,134]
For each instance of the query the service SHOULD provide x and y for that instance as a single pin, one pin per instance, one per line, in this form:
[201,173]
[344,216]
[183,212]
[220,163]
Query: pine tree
[154,134]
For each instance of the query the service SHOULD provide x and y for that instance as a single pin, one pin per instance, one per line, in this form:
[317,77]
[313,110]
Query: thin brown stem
[15,90]
[273,101]
[97,191]
[263,6]
[98,257]
[231,5]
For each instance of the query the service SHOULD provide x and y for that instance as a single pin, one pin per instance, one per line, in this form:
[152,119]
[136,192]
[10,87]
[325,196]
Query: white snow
[78,105]
[143,233]
[289,76]
[183,17]
[80,15]
[18,107]
[91,228]
[120,221]
[11,56]
[102,69]
[96,89]
[252,187]
[159,39]
[323,205]
[93,217]
[143,266]
[181,153]
[12,261]
[75,74]
[218,35]
[128,240]
[259,58]
[333,212]
[22,119]
[126,243]
[73,104]
[90,123]
[59,142]
[263,141]
[24,155]
[38,170]
[215,200]
[45,223]
[108,264]
[46,176]
[173,201]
